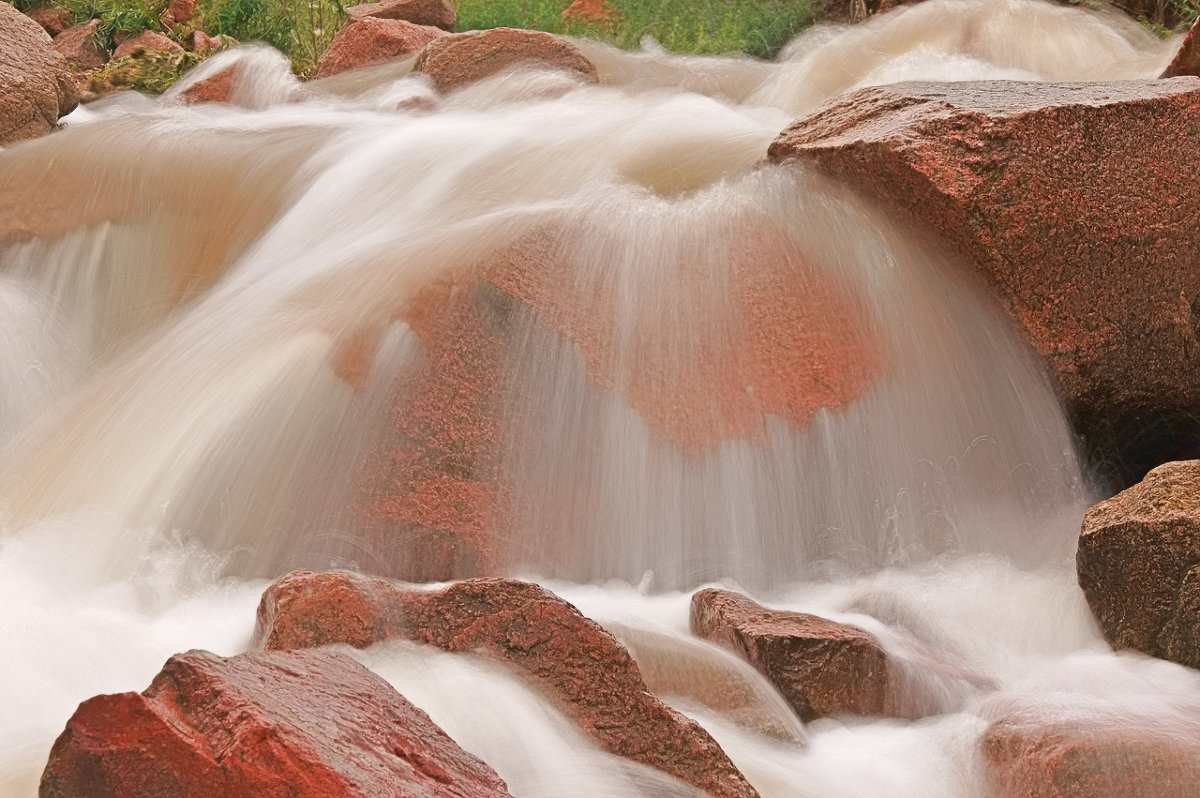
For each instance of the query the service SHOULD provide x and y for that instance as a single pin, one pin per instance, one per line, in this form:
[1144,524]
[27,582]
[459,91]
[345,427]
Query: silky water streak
[580,334]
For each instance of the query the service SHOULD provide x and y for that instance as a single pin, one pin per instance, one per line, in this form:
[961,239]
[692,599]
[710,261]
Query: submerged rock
[1139,564]
[784,338]
[452,62]
[1057,755]
[1075,203]
[264,724]
[822,668]
[573,661]
[371,41]
[35,85]
[438,13]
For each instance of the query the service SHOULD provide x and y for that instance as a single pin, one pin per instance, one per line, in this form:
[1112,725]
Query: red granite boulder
[53,19]
[35,85]
[821,668]
[182,10]
[593,12]
[307,609]
[80,46]
[216,88]
[783,338]
[1073,755]
[577,664]
[452,62]
[429,490]
[146,41]
[1137,561]
[1187,58]
[437,13]
[1083,231]
[200,42]
[371,41]
[259,725]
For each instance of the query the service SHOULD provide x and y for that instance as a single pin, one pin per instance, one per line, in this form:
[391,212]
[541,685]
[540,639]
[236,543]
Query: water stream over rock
[577,333]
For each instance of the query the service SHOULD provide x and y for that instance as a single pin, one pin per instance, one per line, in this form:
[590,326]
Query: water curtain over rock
[568,325]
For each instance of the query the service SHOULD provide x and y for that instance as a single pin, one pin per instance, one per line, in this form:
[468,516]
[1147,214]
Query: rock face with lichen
[571,659]
[35,84]
[1085,234]
[260,725]
[1139,564]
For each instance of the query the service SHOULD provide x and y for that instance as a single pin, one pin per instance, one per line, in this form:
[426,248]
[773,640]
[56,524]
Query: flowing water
[209,313]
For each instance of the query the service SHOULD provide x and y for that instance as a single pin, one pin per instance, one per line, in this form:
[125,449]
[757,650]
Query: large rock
[146,41]
[1139,563]
[80,46]
[1187,58]
[429,493]
[463,58]
[1072,755]
[371,41]
[821,668]
[592,12]
[1083,230]
[782,339]
[577,664]
[35,85]
[296,723]
[53,19]
[438,13]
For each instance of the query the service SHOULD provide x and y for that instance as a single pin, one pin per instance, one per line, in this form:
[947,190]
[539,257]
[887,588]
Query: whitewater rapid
[188,294]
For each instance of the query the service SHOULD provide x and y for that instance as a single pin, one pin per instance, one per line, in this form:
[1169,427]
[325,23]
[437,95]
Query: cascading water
[205,311]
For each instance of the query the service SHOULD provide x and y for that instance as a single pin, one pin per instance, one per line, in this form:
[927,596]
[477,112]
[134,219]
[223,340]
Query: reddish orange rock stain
[701,370]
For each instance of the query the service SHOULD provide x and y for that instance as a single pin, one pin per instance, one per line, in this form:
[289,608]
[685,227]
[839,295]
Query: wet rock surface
[1187,58]
[452,62]
[1137,562]
[575,662]
[371,41]
[264,724]
[1044,755]
[438,13]
[1087,235]
[35,85]
[784,338]
[822,668]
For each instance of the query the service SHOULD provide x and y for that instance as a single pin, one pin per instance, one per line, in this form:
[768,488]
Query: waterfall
[583,327]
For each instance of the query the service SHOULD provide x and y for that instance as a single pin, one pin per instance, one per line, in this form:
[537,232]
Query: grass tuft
[757,27]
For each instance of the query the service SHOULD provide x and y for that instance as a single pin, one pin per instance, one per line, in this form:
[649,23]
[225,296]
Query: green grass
[300,29]
[757,27]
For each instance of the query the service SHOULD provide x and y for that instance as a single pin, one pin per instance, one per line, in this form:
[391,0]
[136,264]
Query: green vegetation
[148,71]
[301,29]
[757,27]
